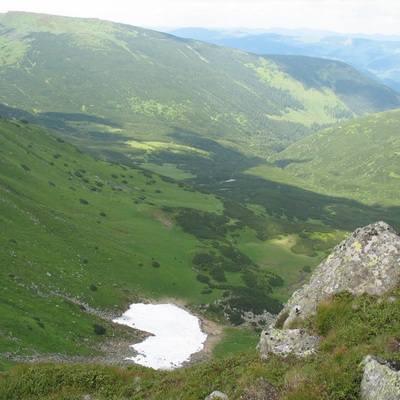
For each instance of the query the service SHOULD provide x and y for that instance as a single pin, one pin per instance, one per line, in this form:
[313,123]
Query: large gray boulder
[288,341]
[367,262]
[380,380]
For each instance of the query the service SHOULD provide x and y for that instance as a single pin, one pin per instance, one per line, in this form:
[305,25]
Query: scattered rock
[261,320]
[380,380]
[217,395]
[367,262]
[288,341]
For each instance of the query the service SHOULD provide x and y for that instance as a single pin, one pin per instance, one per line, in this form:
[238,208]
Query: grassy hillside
[350,328]
[356,159]
[80,237]
[193,112]
[185,207]
[98,79]
[75,232]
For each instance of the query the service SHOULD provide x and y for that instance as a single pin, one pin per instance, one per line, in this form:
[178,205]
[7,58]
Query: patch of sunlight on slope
[317,104]
[169,170]
[171,146]
[11,51]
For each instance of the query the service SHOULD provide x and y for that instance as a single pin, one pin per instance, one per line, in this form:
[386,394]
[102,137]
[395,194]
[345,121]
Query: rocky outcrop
[288,341]
[380,380]
[367,262]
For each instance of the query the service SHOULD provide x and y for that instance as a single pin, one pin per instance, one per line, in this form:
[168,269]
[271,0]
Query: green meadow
[81,236]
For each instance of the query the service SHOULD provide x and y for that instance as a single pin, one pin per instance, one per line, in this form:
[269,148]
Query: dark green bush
[99,329]
[249,279]
[202,278]
[218,274]
[307,269]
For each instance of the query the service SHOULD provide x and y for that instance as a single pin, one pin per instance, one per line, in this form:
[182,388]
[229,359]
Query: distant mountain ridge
[377,55]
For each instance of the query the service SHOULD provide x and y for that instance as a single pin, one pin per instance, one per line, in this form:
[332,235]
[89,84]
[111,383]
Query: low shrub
[99,329]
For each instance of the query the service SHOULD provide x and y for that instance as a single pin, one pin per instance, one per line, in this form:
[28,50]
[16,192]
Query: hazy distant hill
[375,55]
[99,79]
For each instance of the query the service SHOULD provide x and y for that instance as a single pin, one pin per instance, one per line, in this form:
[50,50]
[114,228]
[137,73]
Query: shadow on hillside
[223,174]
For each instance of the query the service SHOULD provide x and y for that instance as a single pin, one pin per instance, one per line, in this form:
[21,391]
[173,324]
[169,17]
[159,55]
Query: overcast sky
[344,16]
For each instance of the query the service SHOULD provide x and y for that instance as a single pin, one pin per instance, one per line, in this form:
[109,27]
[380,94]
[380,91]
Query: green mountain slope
[357,159]
[94,79]
[76,231]
[81,237]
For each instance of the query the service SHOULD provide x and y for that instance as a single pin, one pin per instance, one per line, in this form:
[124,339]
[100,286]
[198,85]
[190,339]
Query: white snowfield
[177,334]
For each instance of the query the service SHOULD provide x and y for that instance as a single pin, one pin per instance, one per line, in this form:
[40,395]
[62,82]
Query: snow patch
[177,334]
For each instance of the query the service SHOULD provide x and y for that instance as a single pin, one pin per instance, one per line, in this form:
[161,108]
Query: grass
[236,340]
[79,232]
[350,328]
[257,105]
[365,169]
[70,223]
[316,105]
[275,255]
[169,170]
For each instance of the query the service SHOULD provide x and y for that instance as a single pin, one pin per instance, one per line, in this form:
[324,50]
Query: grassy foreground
[350,329]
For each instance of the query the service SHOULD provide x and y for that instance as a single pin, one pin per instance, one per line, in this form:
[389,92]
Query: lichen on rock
[380,380]
[288,341]
[368,261]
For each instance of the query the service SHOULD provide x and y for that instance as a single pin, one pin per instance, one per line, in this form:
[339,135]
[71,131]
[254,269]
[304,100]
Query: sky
[343,16]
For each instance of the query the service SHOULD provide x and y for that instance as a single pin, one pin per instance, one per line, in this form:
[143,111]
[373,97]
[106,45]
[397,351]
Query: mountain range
[376,55]
[93,78]
[139,165]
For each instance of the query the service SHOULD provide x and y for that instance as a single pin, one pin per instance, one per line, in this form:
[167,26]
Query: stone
[287,341]
[366,262]
[380,380]
[217,395]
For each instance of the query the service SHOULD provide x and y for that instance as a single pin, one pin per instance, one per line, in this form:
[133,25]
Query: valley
[137,166]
